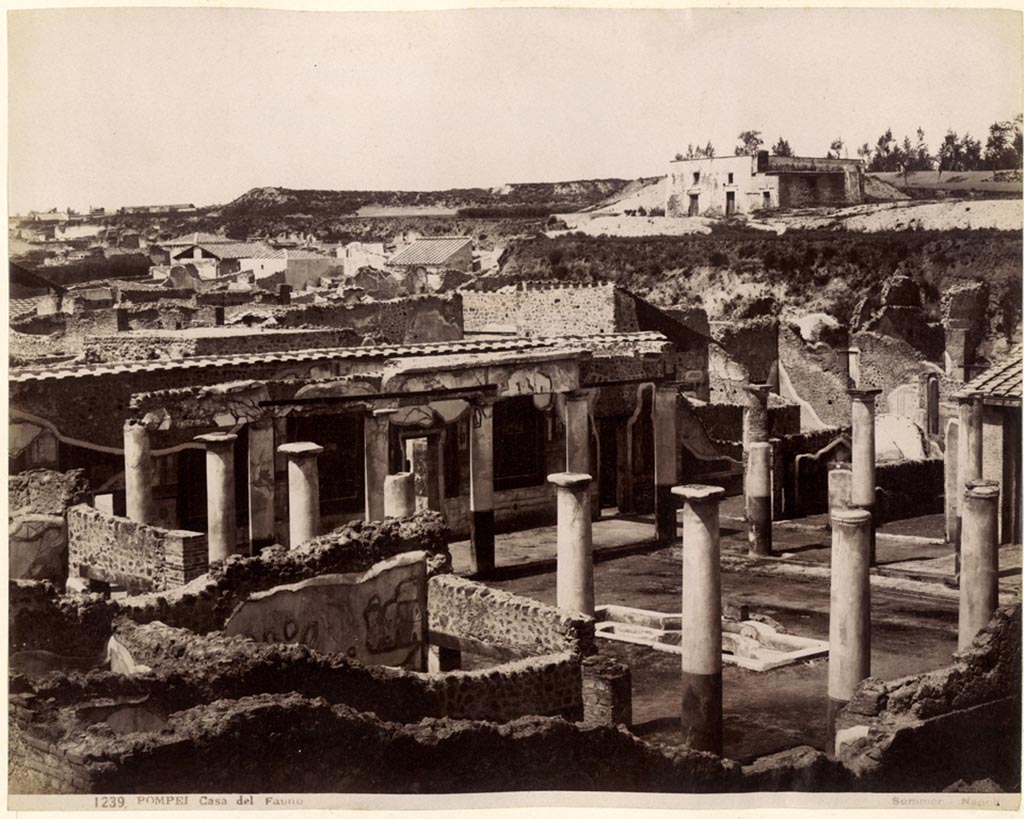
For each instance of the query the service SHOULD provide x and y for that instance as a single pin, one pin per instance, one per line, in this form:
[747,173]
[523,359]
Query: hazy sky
[132,106]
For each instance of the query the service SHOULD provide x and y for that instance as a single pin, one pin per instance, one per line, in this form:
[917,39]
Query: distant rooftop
[435,250]
[196,239]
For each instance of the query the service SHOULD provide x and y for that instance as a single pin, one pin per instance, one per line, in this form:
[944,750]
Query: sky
[110,107]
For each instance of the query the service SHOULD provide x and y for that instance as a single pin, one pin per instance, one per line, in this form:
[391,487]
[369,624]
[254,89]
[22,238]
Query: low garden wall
[134,555]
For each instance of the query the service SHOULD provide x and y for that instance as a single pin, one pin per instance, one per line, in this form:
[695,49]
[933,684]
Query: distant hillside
[322,204]
[1008,183]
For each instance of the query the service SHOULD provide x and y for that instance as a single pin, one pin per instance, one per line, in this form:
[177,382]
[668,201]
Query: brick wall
[135,555]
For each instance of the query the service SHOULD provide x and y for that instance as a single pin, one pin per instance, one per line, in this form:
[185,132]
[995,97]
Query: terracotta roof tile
[1000,383]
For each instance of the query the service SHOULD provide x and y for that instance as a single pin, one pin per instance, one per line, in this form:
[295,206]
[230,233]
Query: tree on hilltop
[1004,148]
[751,143]
[835,148]
[705,152]
[781,148]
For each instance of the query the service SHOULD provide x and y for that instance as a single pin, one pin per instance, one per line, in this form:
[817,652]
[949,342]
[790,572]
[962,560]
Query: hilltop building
[728,185]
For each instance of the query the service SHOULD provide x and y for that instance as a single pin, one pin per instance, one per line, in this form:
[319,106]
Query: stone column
[701,618]
[759,498]
[850,356]
[261,484]
[862,491]
[969,459]
[481,485]
[575,579]
[665,469]
[952,483]
[755,415]
[577,432]
[840,485]
[979,572]
[376,431]
[222,529]
[138,474]
[303,491]
[849,622]
[399,495]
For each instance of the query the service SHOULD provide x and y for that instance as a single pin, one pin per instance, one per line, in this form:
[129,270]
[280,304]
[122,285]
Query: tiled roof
[35,374]
[431,251]
[18,307]
[237,250]
[1000,383]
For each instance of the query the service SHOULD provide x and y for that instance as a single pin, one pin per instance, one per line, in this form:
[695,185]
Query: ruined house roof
[591,343]
[1000,383]
[431,251]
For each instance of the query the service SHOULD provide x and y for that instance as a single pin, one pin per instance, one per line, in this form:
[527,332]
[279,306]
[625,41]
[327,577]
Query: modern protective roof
[236,250]
[465,346]
[431,251]
[1000,383]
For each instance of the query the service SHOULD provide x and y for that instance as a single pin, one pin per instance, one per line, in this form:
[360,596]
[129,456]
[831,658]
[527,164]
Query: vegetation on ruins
[810,270]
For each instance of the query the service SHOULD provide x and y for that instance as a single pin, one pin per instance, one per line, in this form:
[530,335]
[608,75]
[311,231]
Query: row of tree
[1003,150]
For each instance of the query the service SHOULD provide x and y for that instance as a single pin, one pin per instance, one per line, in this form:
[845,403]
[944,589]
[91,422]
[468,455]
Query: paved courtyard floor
[914,616]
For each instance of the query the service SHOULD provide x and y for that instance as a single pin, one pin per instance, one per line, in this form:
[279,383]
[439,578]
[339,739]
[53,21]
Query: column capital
[214,440]
[699,493]
[864,393]
[851,517]
[981,489]
[263,422]
[570,480]
[381,413]
[757,389]
[300,449]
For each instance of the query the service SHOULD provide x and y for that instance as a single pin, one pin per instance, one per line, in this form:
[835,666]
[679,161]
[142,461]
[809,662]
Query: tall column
[849,621]
[969,459]
[979,555]
[701,618]
[759,498]
[261,484]
[665,469]
[138,474]
[577,432]
[481,486]
[376,430]
[400,495]
[303,491]
[575,578]
[862,492]
[755,414]
[222,529]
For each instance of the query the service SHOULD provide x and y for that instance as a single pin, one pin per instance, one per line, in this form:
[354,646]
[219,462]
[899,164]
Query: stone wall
[746,351]
[960,722]
[471,611]
[407,320]
[142,346]
[724,422]
[40,619]
[532,309]
[134,555]
[37,502]
[46,492]
[909,488]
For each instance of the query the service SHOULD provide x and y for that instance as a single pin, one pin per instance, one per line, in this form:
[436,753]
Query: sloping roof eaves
[1001,383]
